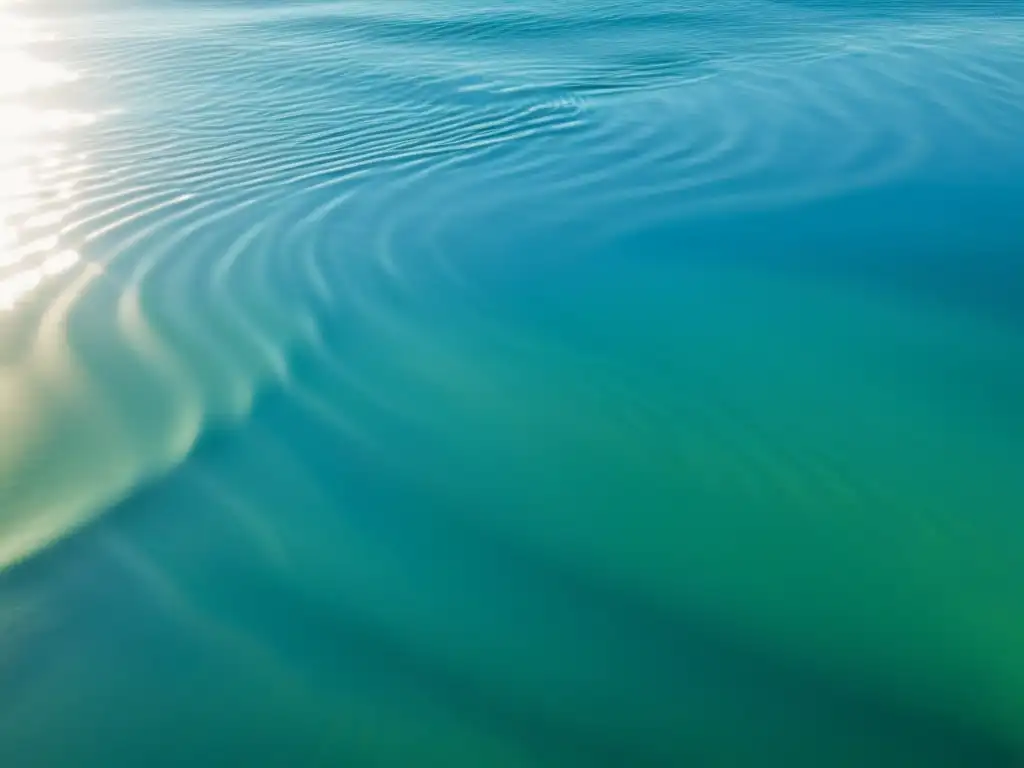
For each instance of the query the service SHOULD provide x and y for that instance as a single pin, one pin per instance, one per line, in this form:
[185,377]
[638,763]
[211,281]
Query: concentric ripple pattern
[526,383]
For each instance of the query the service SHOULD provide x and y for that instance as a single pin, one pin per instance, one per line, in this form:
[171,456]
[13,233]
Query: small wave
[415,120]
[331,209]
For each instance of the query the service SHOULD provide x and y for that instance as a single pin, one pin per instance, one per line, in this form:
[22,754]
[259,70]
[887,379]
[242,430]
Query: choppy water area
[524,384]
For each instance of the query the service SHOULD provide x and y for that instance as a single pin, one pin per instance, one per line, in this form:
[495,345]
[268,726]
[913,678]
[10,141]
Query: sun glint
[36,178]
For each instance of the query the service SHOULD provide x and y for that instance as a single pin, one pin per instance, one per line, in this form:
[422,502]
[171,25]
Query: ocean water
[537,383]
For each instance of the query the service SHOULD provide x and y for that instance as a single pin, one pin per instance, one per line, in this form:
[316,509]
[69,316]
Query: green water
[420,394]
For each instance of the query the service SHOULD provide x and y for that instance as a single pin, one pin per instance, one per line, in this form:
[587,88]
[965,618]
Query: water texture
[577,383]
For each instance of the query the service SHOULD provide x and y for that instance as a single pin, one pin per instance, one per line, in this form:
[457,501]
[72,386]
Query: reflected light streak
[37,175]
[40,170]
[14,288]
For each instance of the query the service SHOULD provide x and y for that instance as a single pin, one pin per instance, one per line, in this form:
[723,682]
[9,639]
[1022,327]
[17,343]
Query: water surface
[528,384]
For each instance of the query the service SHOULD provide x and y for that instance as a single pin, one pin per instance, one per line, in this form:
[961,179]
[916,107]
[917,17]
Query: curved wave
[341,214]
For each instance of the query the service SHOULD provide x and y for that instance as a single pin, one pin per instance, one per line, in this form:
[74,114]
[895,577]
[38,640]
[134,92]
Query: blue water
[540,383]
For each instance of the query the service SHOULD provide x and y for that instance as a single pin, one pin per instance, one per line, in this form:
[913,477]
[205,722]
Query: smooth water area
[537,383]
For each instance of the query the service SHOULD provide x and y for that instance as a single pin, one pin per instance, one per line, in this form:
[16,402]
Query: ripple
[436,136]
[456,127]
[333,209]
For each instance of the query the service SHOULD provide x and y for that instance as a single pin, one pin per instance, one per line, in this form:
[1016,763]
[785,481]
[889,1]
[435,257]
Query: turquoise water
[539,383]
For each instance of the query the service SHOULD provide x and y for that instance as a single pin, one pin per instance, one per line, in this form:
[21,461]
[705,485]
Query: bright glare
[36,182]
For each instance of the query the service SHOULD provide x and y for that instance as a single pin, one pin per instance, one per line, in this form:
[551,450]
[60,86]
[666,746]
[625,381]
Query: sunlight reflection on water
[576,383]
[40,169]
[33,190]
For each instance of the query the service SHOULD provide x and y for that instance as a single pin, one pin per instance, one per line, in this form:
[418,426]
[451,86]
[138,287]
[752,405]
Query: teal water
[541,383]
